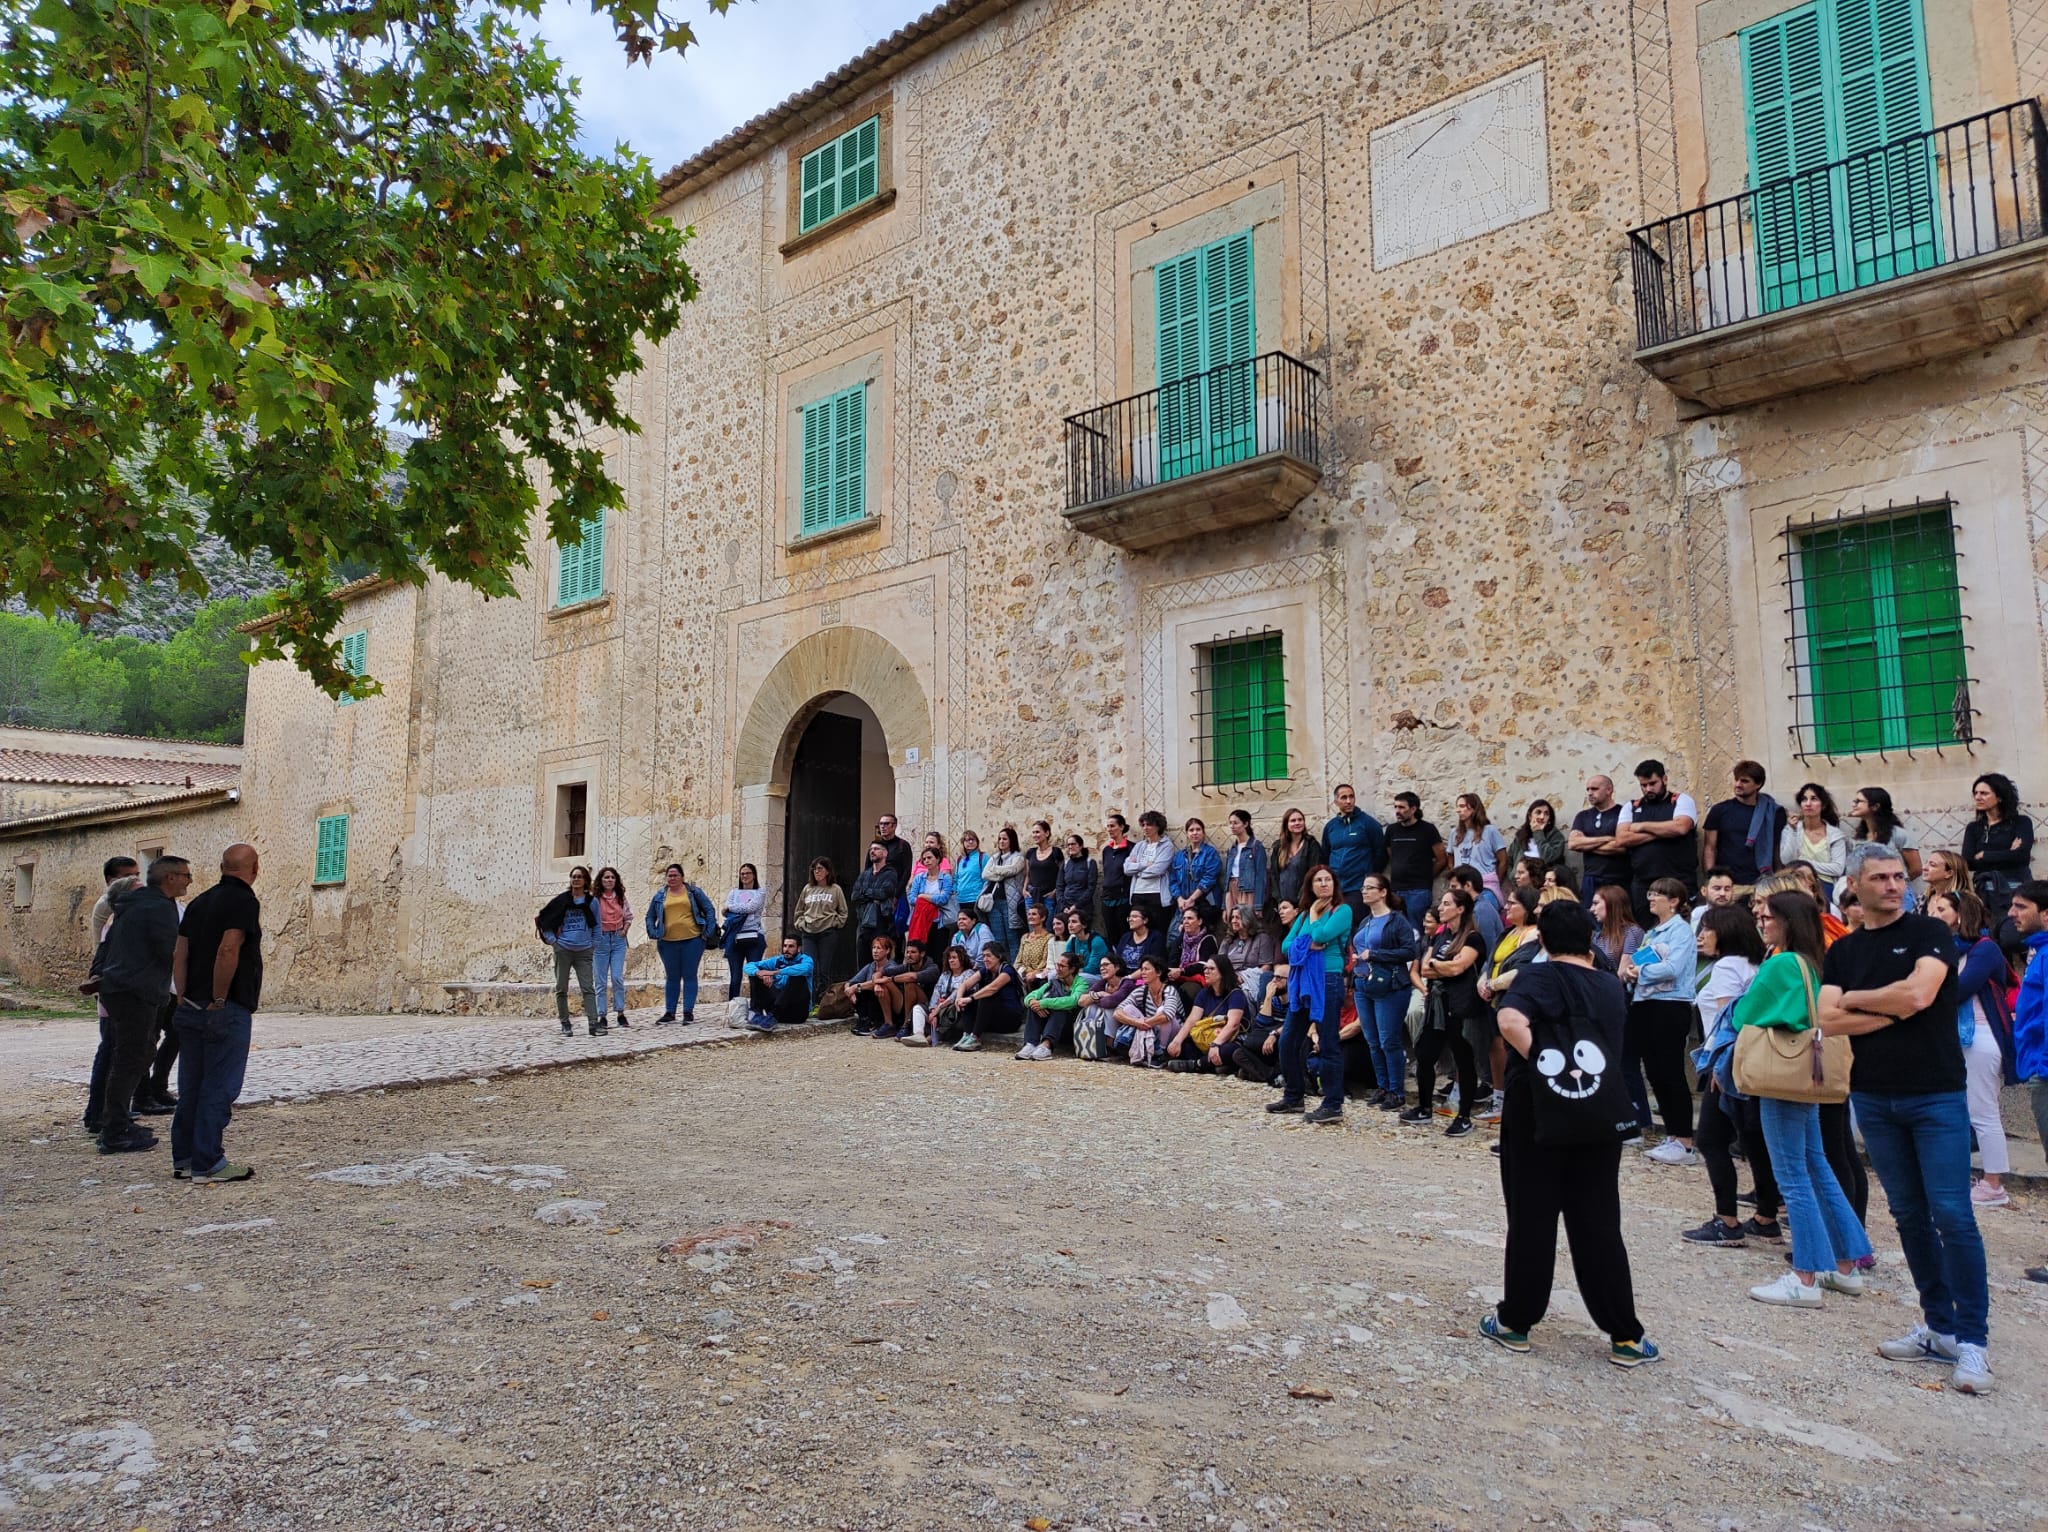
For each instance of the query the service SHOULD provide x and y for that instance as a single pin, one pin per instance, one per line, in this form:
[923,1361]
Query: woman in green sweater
[1315,996]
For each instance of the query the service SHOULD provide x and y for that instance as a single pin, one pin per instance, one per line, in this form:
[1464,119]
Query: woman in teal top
[1315,997]
[967,875]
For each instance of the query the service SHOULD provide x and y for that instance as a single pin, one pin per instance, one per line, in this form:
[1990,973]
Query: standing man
[1116,883]
[113,871]
[219,980]
[1742,832]
[1416,857]
[779,989]
[901,862]
[2029,913]
[1658,831]
[1602,858]
[1890,987]
[136,966]
[1354,844]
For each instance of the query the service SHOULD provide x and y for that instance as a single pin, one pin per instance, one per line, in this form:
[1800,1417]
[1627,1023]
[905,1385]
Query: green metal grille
[1241,709]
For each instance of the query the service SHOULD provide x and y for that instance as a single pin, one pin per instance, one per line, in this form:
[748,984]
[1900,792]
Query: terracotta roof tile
[63,769]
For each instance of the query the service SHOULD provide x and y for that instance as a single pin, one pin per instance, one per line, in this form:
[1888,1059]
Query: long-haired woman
[1540,844]
[1295,851]
[1874,819]
[1998,845]
[1477,844]
[614,921]
[1985,1026]
[1814,835]
[1447,973]
[745,941]
[1314,948]
[1728,935]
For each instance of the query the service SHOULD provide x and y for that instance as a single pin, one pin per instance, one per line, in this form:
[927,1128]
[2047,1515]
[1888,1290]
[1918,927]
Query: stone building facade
[1492,510]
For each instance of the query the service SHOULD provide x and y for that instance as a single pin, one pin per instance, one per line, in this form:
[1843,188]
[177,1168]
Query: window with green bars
[579,566]
[1879,661]
[330,849]
[355,658]
[835,461]
[841,175]
[1241,696]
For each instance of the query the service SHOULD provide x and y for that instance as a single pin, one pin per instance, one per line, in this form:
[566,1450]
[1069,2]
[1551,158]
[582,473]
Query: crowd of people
[1388,964]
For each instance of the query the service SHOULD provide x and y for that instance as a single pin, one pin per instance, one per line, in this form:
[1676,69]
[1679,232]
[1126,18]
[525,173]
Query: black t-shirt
[1552,992]
[1728,822]
[1461,992]
[1411,855]
[1042,874]
[1601,823]
[1917,1055]
[230,905]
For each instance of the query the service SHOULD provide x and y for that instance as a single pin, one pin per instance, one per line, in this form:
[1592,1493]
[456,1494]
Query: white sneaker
[1973,1370]
[1920,1344]
[1042,1052]
[1849,1283]
[1028,1051]
[1789,1291]
[1672,1152]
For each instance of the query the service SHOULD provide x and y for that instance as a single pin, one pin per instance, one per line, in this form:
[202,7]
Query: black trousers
[131,1031]
[1658,1030]
[789,1002]
[159,1076]
[1718,1132]
[1581,1185]
[1838,1142]
[1429,1048]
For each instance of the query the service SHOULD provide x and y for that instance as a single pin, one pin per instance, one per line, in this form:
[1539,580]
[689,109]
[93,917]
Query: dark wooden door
[824,820]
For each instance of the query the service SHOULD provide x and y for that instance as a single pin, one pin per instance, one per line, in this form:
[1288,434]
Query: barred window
[1241,694]
[1879,661]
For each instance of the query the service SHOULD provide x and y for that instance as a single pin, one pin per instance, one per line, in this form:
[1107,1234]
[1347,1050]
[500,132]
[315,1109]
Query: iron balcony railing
[1225,415]
[1930,200]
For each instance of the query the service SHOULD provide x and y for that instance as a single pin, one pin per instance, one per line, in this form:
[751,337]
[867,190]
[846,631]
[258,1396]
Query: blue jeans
[1416,902]
[1329,1053]
[1920,1148]
[1825,1229]
[679,964]
[1383,1020]
[213,1056]
[608,957]
[998,922]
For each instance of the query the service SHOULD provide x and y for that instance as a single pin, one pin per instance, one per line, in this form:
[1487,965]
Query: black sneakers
[1284,1105]
[1460,1126]
[1321,1115]
[1715,1232]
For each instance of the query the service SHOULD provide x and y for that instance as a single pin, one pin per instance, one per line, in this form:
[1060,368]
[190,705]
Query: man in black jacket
[135,976]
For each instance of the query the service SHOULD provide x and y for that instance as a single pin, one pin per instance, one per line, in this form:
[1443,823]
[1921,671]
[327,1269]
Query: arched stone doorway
[841,692]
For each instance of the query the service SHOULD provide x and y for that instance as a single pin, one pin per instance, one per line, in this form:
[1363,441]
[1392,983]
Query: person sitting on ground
[994,1004]
[1197,945]
[913,980]
[1049,1009]
[1251,949]
[779,988]
[1102,991]
[941,1020]
[1147,1018]
[969,933]
[874,997]
[1034,947]
[1541,1181]
[1088,948]
[1212,1022]
[1141,941]
[1255,1055]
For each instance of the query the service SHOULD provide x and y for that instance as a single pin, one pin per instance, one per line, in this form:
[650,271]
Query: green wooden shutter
[1205,320]
[355,657]
[580,566]
[1248,711]
[840,175]
[330,852]
[835,460]
[1881,51]
[1788,84]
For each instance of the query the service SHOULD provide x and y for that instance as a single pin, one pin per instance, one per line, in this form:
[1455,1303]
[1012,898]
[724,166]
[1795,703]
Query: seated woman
[874,997]
[1255,1053]
[1034,947]
[1089,949]
[1251,949]
[994,1003]
[1141,940]
[1205,1038]
[1049,1009]
[1197,945]
[943,1019]
[1148,1017]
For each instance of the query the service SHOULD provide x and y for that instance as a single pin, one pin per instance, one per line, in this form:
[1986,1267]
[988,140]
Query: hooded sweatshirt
[136,957]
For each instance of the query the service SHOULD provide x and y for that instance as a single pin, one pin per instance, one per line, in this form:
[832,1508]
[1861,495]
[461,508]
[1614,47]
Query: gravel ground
[929,1291]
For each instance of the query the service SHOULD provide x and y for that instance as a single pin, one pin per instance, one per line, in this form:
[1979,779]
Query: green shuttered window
[841,175]
[330,850]
[579,568]
[835,460]
[1243,705]
[1878,635]
[355,657]
[1831,81]
[1205,317]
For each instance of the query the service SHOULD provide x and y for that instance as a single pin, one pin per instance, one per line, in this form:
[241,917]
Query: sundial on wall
[1461,168]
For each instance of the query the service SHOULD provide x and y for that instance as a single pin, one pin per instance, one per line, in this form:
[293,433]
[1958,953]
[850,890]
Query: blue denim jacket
[1670,977]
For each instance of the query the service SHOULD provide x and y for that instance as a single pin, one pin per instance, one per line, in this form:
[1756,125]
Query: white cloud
[758,54]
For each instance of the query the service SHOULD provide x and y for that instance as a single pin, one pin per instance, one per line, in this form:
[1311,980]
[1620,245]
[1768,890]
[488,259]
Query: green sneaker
[227,1171]
[1634,1353]
[1501,1335]
[968,1043]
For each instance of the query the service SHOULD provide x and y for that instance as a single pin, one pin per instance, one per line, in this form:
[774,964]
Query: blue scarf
[1760,833]
[1306,986]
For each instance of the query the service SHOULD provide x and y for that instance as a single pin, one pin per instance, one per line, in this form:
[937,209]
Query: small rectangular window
[24,884]
[572,812]
[330,853]
[841,175]
[1242,696]
[579,566]
[835,460]
[355,657]
[1878,657]
[144,855]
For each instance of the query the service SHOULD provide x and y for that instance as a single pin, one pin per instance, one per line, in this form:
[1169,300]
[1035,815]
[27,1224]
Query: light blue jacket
[781,969]
[938,888]
[1670,977]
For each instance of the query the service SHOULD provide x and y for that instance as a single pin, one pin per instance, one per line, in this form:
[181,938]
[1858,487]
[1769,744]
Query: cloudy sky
[757,54]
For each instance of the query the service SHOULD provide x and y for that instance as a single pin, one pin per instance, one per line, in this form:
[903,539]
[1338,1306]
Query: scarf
[1307,988]
[1759,840]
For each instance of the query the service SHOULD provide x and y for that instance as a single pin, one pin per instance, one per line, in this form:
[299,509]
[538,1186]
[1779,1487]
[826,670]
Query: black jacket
[136,957]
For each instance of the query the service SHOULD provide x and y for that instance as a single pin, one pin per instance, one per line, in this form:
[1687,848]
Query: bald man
[218,975]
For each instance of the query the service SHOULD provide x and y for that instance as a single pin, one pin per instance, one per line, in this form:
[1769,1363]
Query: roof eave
[113,813]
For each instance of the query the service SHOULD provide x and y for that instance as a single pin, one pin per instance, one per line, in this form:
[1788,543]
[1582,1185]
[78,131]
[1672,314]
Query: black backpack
[1577,1094]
